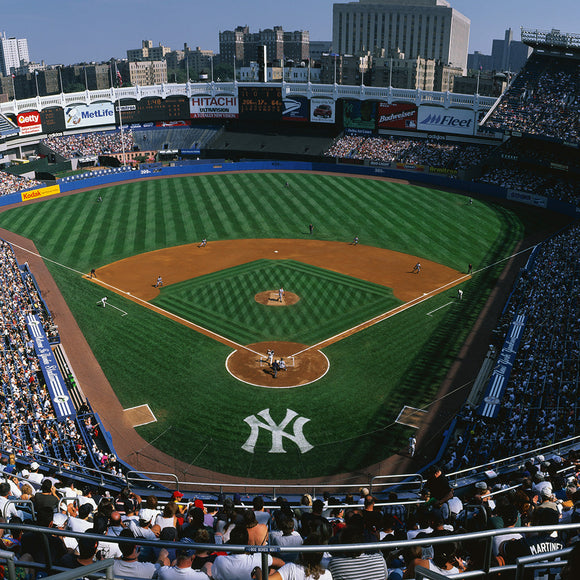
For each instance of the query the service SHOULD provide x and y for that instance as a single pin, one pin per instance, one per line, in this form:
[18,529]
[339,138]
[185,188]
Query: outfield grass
[200,408]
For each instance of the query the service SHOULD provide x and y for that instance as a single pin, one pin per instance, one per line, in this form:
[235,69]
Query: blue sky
[69,31]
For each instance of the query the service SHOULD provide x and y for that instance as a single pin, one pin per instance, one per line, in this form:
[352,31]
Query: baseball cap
[481,485]
[198,504]
[546,491]
[59,519]
[34,466]
[176,495]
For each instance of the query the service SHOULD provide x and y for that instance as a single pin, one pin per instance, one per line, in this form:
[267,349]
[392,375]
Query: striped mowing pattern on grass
[200,408]
[135,218]
[224,302]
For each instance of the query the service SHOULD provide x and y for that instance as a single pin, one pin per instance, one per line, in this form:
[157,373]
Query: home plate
[140,415]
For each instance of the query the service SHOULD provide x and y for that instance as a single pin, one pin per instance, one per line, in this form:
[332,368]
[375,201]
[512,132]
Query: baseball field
[363,335]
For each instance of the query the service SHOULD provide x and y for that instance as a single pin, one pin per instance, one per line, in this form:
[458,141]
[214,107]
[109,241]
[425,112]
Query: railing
[486,537]
[511,461]
[309,90]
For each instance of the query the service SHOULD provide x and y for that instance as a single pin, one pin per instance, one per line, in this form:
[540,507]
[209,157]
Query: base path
[253,369]
[138,274]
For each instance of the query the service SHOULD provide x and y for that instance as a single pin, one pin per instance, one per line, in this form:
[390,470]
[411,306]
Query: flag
[119,79]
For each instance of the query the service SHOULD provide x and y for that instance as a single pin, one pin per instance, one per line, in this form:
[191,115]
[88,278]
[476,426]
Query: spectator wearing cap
[34,474]
[182,567]
[128,565]
[547,501]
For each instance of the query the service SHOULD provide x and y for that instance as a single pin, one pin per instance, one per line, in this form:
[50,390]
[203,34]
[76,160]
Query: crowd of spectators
[430,152]
[545,184]
[540,403]
[537,494]
[12,183]
[90,144]
[543,100]
[29,428]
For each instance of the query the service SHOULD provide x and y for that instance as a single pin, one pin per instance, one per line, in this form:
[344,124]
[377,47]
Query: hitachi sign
[446,121]
[214,101]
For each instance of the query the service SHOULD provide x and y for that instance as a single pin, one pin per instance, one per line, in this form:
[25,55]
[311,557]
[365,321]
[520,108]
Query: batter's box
[140,415]
[412,417]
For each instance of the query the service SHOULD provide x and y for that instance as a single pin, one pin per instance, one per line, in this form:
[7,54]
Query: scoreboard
[152,109]
[52,120]
[263,103]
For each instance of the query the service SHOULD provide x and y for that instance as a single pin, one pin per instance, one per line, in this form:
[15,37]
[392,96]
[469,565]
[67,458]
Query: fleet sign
[89,115]
[29,122]
[441,120]
[218,107]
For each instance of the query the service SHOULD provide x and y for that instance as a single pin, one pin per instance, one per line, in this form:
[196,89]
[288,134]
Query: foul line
[403,307]
[319,345]
[440,307]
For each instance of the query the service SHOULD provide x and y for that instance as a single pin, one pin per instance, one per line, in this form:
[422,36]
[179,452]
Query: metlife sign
[89,115]
[440,120]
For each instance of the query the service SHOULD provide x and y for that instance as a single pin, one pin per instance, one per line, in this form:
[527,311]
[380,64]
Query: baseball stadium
[267,305]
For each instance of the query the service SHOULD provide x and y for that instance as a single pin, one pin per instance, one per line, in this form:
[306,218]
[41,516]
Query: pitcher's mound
[252,367]
[272,298]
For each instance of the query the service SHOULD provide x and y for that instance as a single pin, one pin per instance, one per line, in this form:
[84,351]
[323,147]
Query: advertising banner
[526,197]
[440,120]
[29,123]
[501,373]
[322,111]
[397,116]
[43,192]
[89,115]
[359,114]
[57,388]
[218,107]
[295,109]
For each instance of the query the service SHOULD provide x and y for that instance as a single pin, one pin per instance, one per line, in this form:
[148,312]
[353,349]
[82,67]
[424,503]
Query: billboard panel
[29,123]
[218,107]
[322,110]
[359,114]
[152,109]
[397,116]
[89,115]
[295,109]
[440,120]
[52,120]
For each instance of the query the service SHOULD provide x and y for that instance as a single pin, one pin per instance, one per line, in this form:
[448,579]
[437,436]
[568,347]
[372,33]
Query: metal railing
[482,572]
[309,90]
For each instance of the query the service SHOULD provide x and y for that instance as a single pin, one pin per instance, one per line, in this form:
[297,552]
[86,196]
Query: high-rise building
[509,54]
[147,52]
[280,45]
[429,29]
[13,53]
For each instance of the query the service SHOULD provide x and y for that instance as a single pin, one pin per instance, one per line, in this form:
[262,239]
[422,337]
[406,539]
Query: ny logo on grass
[278,431]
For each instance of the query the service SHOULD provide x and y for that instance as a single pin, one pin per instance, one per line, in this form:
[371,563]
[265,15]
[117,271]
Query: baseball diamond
[364,346]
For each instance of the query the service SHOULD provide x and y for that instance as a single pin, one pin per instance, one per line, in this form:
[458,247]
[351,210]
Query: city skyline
[71,31]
